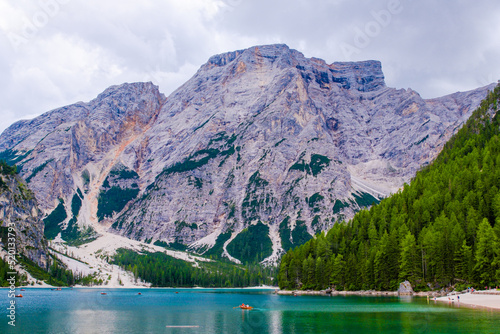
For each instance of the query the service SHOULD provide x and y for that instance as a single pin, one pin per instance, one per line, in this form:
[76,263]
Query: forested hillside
[162,270]
[443,228]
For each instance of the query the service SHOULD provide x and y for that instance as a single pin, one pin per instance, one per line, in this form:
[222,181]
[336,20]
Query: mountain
[20,219]
[442,229]
[258,151]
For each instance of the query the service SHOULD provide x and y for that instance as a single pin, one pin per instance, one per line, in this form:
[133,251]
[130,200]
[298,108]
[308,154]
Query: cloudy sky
[57,52]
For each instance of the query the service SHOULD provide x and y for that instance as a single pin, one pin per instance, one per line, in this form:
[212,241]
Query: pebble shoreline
[359,293]
[487,299]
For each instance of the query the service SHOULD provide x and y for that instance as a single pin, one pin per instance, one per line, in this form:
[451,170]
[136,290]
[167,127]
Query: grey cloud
[434,47]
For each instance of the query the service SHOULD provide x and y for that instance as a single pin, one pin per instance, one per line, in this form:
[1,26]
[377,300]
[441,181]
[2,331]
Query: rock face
[68,153]
[405,289]
[262,141]
[19,211]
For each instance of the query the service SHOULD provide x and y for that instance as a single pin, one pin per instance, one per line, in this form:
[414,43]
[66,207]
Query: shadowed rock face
[19,210]
[262,134]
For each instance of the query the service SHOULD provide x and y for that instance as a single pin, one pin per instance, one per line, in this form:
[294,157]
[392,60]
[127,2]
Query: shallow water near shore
[212,311]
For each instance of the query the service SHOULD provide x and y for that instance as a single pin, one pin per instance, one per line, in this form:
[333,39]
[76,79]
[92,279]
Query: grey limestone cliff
[263,141]
[20,218]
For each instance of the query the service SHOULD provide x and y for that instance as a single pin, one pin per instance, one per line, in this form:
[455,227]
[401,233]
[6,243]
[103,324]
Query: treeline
[162,270]
[7,169]
[6,273]
[56,274]
[442,229]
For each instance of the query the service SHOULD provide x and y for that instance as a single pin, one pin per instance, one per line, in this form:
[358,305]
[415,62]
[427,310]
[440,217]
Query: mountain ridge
[261,135]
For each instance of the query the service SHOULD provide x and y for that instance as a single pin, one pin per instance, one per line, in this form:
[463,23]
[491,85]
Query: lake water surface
[211,311]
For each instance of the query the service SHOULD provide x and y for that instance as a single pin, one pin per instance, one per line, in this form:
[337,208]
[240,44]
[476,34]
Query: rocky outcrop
[405,289]
[55,148]
[261,140]
[20,218]
[69,152]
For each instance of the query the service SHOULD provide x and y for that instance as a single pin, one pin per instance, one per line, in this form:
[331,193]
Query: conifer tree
[337,278]
[486,253]
[409,259]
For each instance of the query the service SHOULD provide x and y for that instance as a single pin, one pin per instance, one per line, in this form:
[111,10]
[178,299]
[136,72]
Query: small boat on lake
[19,296]
[103,293]
[245,307]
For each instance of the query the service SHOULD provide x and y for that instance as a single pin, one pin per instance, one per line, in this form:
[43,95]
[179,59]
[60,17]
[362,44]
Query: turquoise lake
[211,311]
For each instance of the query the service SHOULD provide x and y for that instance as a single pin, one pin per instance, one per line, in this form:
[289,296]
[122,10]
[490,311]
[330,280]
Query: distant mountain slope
[261,140]
[444,228]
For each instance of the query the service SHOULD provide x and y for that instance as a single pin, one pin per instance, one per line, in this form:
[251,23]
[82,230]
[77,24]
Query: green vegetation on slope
[53,221]
[442,229]
[365,199]
[317,164]
[6,169]
[119,188]
[162,270]
[203,157]
[297,237]
[73,234]
[6,274]
[38,170]
[252,244]
[56,274]
[257,198]
[339,205]
[12,157]
[217,249]
[114,200]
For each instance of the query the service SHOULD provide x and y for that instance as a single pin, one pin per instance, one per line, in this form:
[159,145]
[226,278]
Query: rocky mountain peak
[129,91]
[249,55]
[363,76]
[260,144]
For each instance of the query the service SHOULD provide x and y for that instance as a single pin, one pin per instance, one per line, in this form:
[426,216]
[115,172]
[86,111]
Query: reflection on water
[275,325]
[406,299]
[209,311]
[87,321]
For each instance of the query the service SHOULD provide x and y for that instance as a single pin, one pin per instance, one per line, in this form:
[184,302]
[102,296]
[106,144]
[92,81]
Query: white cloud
[56,52]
